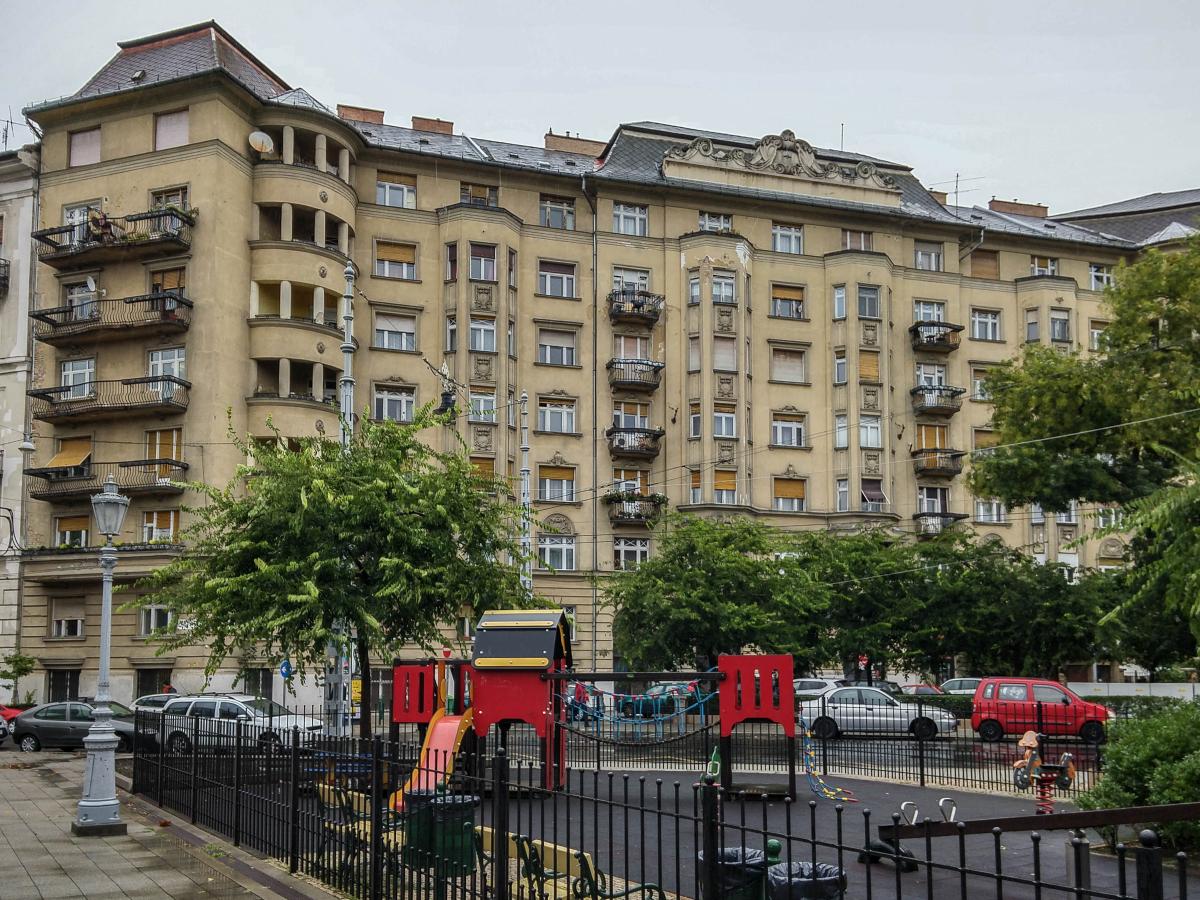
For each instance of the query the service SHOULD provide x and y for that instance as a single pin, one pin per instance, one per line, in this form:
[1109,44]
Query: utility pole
[526,502]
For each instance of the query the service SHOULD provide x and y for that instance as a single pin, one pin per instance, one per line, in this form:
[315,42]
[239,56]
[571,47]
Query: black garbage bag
[741,873]
[788,881]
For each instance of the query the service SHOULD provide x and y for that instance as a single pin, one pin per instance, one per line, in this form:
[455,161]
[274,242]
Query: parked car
[8,713]
[153,702]
[213,720]
[64,726]
[813,685]
[1016,705]
[922,690]
[889,687]
[961,686]
[869,710]
[5,730]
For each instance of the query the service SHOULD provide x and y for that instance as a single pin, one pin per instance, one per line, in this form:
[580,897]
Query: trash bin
[741,874]
[418,820]
[789,881]
[453,846]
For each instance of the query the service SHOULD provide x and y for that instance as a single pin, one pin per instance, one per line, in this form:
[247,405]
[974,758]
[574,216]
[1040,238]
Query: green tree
[373,548]
[1142,627]
[15,667]
[715,586]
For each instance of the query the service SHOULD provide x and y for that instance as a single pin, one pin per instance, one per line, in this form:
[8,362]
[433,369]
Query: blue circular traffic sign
[285,669]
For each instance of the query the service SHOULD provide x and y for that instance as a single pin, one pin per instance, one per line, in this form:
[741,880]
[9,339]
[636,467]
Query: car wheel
[990,731]
[825,728]
[179,744]
[924,729]
[1092,733]
[29,744]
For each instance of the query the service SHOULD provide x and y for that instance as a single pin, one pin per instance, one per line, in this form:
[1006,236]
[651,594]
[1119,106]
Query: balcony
[635,307]
[631,508]
[636,443]
[100,399]
[634,374]
[3,277]
[874,506]
[138,478]
[935,337]
[930,524]
[103,239]
[936,400]
[163,312]
[938,463]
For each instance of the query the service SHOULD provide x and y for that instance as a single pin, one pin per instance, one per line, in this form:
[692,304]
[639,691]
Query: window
[631,346]
[629,218]
[1096,334]
[930,375]
[725,486]
[556,348]
[696,490]
[631,414]
[485,471]
[1102,276]
[841,489]
[868,302]
[71,531]
[856,240]
[787,238]
[873,499]
[1060,325]
[78,376]
[715,221]
[1037,515]
[556,415]
[170,130]
[512,269]
[870,433]
[512,338]
[725,353]
[396,190]
[985,264]
[556,483]
[151,681]
[80,302]
[787,365]
[631,481]
[840,368]
[160,525]
[629,553]
[451,334]
[724,420]
[483,335]
[933,499]
[694,422]
[929,311]
[67,617]
[990,511]
[985,324]
[61,684]
[85,147]
[932,437]
[787,302]
[1031,325]
[479,194]
[177,197]
[395,260]
[868,365]
[839,301]
[512,408]
[173,281]
[928,256]
[1109,517]
[1070,562]
[556,552]
[483,406]
[1043,265]
[395,404]
[979,389]
[723,288]
[394,332]
[556,279]
[693,290]
[1016,692]
[693,354]
[483,262]
[789,494]
[1069,516]
[164,443]
[787,429]
[452,262]
[557,212]
[167,364]
[627,280]
[841,432]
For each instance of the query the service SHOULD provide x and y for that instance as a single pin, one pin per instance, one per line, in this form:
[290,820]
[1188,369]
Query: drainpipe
[595,411]
[27,419]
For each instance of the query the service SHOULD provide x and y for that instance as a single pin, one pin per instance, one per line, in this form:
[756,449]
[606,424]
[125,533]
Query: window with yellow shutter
[631,481]
[73,455]
[392,189]
[868,365]
[556,483]
[787,302]
[71,531]
[789,494]
[932,437]
[697,488]
[168,280]
[725,486]
[160,524]
[395,260]
[485,466]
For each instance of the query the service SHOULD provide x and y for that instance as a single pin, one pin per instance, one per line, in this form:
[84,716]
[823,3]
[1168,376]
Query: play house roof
[522,639]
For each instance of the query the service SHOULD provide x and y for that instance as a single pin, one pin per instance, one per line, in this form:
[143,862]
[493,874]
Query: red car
[1016,705]
[8,713]
[921,689]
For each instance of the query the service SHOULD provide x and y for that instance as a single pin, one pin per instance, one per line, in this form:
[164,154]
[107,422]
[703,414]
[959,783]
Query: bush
[1150,761]
[1135,707]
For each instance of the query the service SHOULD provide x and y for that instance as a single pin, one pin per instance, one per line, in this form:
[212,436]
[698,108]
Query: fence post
[237,784]
[710,837]
[195,751]
[824,743]
[920,746]
[500,824]
[138,759]
[1149,866]
[376,819]
[161,740]
[294,804]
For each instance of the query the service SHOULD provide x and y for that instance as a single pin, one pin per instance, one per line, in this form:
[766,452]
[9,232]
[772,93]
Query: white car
[961,686]
[211,720]
[868,710]
[4,731]
[813,685]
[153,702]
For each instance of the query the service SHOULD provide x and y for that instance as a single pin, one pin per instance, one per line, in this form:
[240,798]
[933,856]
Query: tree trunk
[365,720]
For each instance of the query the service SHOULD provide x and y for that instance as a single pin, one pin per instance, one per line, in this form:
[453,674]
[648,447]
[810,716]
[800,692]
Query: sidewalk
[41,860]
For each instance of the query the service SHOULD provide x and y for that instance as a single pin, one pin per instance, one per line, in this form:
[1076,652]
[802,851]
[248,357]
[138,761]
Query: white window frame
[386,191]
[839,301]
[724,423]
[985,324]
[482,406]
[870,432]
[482,268]
[1068,516]
[560,413]
[1060,326]
[990,511]
[629,553]
[390,268]
[1102,276]
[624,419]
[695,423]
[978,385]
[148,619]
[631,218]
[841,366]
[557,212]
[556,548]
[693,290]
[724,288]
[715,222]
[1033,326]
[787,238]
[402,400]
[388,338]
[855,239]
[557,284]
[556,490]
[1036,267]
[931,499]
[865,302]
[451,334]
[788,432]
[927,256]
[64,537]
[79,375]
[841,489]
[151,531]
[483,336]
[725,497]
[788,504]
[551,353]
[931,375]
[841,431]
[627,279]
[776,375]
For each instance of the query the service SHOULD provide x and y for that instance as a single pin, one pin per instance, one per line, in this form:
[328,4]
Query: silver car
[961,686]
[868,710]
[212,721]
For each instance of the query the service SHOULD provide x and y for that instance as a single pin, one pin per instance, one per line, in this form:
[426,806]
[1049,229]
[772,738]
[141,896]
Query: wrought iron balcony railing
[875,506]
[634,374]
[144,477]
[933,523]
[97,399]
[3,277]
[161,311]
[642,443]
[936,400]
[938,463]
[635,306]
[935,337]
[633,509]
[102,237]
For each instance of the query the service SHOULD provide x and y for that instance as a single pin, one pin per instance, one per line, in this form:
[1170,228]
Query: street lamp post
[99,812]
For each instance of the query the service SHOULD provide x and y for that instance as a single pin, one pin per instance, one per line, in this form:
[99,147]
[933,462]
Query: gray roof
[1148,227]
[1146,203]
[1176,231]
[301,98]
[1036,227]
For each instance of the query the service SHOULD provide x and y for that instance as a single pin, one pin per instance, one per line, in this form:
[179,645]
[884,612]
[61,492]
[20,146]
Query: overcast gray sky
[1069,104]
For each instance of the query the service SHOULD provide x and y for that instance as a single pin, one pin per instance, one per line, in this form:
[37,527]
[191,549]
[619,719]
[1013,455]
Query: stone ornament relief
[482,368]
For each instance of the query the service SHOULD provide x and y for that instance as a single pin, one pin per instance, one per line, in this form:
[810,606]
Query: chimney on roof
[360,114]
[939,196]
[573,143]
[437,126]
[1017,208]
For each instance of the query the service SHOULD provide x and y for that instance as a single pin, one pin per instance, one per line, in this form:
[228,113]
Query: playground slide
[442,740]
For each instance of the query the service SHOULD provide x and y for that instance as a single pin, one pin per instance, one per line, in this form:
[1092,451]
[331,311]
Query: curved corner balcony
[933,523]
[633,509]
[634,374]
[635,307]
[103,239]
[140,477]
[935,337]
[101,399]
[162,312]
[636,443]
[938,463]
[936,400]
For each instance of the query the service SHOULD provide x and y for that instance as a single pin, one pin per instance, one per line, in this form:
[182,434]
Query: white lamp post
[99,812]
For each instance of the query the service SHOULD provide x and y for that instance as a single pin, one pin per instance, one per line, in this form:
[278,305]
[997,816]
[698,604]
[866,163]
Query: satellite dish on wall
[91,284]
[261,141]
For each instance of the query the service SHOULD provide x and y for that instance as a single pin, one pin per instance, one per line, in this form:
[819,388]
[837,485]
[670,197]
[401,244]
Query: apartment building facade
[711,322]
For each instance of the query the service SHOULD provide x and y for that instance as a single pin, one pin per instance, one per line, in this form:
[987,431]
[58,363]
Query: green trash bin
[453,823]
[741,874]
[418,825]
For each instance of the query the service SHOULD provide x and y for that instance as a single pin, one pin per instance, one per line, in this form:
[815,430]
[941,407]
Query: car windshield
[269,708]
[120,710]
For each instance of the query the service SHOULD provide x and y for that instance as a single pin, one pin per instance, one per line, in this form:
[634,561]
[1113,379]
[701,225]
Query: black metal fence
[377,819]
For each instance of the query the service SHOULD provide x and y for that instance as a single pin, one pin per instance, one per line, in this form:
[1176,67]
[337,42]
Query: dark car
[65,725]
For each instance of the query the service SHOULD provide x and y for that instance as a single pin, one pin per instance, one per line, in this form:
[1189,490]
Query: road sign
[285,669]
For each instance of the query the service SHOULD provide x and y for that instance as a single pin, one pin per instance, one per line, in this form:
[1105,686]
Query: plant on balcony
[634,497]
